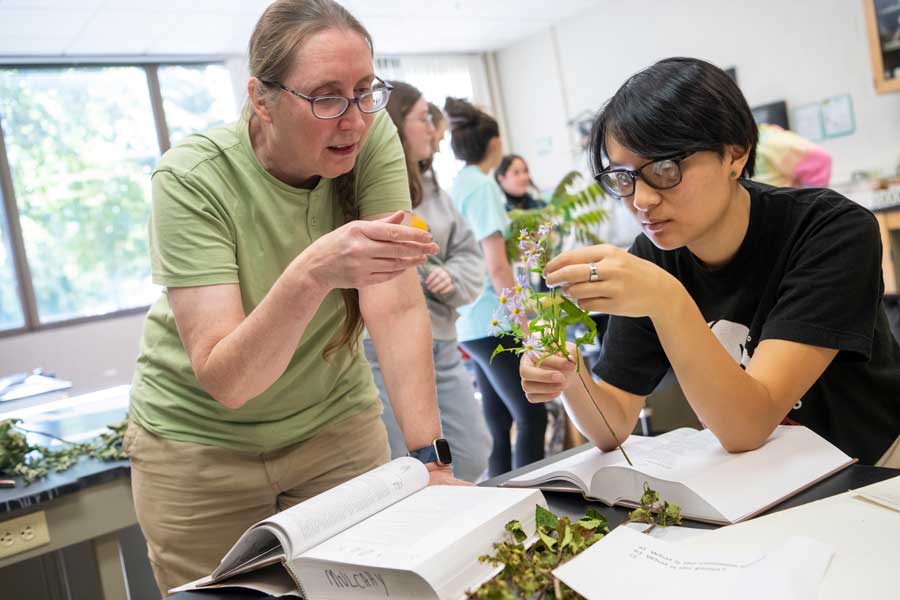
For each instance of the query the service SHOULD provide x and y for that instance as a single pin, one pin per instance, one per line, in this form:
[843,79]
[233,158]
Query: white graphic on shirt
[733,336]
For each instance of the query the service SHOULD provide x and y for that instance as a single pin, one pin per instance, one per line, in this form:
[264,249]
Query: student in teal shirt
[475,138]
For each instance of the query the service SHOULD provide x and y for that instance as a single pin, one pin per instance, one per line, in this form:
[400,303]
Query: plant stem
[49,435]
[602,416]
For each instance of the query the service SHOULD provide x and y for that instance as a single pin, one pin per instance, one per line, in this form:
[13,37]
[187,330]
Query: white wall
[535,108]
[91,355]
[801,51]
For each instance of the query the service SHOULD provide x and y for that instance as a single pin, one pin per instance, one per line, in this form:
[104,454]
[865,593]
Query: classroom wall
[92,355]
[801,52]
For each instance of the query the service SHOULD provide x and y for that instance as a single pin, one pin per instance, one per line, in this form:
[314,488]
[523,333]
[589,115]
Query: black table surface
[574,505]
[67,423]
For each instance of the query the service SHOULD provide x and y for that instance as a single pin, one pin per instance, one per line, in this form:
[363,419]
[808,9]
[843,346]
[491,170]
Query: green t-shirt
[218,217]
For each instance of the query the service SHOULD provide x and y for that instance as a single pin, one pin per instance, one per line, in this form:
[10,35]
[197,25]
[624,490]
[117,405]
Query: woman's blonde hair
[280,32]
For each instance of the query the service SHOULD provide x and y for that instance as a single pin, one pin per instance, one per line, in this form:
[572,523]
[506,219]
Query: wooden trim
[159,112]
[882,85]
[27,299]
[887,262]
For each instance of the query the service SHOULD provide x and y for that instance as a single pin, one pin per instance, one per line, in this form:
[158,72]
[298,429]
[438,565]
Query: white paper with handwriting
[625,561]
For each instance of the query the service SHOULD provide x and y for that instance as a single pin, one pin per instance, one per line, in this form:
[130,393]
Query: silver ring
[594,276]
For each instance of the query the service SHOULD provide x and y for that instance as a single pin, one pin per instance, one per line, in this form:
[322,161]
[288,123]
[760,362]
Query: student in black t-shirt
[766,302]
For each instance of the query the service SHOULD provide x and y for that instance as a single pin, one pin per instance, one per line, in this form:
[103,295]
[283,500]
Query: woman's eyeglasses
[333,107]
[660,174]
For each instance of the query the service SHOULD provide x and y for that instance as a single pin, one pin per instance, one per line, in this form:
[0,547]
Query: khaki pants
[194,501]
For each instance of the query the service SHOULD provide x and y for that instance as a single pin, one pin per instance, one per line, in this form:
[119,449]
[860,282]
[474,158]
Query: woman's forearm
[397,321]
[249,359]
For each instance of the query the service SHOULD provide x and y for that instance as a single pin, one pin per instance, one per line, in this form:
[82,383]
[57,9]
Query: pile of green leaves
[528,571]
[32,461]
[570,210]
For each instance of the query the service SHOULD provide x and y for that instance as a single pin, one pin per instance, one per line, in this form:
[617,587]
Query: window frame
[21,268]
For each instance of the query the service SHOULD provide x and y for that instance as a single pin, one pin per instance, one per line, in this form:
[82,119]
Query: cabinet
[889,224]
[883,29]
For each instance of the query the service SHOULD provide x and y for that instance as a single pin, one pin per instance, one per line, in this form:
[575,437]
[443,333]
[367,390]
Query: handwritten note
[792,570]
[361,580]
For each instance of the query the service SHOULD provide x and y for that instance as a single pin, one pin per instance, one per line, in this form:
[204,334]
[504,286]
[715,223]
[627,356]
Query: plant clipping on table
[527,571]
[33,462]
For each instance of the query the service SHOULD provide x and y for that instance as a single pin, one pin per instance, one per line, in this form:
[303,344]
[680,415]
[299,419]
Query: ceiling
[74,28]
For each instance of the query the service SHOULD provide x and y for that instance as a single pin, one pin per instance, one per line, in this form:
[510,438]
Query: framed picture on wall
[883,27]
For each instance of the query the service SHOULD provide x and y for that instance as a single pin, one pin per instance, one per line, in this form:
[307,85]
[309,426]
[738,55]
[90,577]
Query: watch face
[442,447]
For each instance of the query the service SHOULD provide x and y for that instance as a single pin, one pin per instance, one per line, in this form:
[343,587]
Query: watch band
[438,452]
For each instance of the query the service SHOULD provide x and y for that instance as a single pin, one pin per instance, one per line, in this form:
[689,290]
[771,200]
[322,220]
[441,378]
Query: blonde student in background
[766,302]
[450,279]
[275,238]
[785,159]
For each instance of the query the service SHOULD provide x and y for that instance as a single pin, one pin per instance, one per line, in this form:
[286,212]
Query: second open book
[383,534]
[691,469]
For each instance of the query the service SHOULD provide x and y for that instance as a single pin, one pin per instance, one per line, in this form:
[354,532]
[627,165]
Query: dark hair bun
[461,113]
[471,130]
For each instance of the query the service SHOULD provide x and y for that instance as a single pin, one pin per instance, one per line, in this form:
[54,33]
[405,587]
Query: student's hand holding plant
[544,380]
[611,280]
[549,361]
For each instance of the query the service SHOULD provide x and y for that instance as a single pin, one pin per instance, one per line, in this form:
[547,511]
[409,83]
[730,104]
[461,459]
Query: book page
[311,522]
[579,468]
[789,571]
[433,536]
[408,532]
[793,458]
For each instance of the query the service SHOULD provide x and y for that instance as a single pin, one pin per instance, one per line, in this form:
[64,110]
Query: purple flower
[533,345]
[500,323]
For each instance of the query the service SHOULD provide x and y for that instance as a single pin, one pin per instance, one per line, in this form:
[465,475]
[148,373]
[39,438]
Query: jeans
[504,403]
[462,420]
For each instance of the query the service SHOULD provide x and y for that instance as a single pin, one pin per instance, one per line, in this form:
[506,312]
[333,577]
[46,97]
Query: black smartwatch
[438,451]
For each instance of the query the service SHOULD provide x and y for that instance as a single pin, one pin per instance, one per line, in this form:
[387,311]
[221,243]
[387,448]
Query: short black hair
[471,130]
[676,105]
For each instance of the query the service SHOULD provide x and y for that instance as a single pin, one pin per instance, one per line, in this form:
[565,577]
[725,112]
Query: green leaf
[497,351]
[547,539]
[544,518]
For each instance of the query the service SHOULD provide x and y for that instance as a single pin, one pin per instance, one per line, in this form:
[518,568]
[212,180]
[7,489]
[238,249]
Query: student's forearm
[735,406]
[248,360]
[398,323]
[585,411]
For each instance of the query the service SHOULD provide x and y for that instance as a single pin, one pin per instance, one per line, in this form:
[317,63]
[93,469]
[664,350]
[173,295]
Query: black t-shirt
[808,271]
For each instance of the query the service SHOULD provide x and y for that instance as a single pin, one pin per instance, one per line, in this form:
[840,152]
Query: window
[438,77]
[11,315]
[81,144]
[195,97]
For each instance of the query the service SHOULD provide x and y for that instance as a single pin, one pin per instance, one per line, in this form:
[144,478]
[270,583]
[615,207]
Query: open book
[383,534]
[691,469]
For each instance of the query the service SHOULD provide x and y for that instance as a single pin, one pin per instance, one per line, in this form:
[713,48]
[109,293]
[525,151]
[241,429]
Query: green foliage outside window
[82,144]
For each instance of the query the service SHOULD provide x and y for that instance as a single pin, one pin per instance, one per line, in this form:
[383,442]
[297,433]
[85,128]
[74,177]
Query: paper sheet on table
[885,499]
[674,533]
[613,567]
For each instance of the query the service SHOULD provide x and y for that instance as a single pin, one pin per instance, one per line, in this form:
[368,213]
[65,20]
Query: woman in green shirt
[275,238]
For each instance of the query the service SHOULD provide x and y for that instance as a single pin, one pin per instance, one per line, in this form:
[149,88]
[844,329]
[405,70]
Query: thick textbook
[691,469]
[384,534]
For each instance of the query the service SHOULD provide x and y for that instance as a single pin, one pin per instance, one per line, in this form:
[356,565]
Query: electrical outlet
[23,533]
